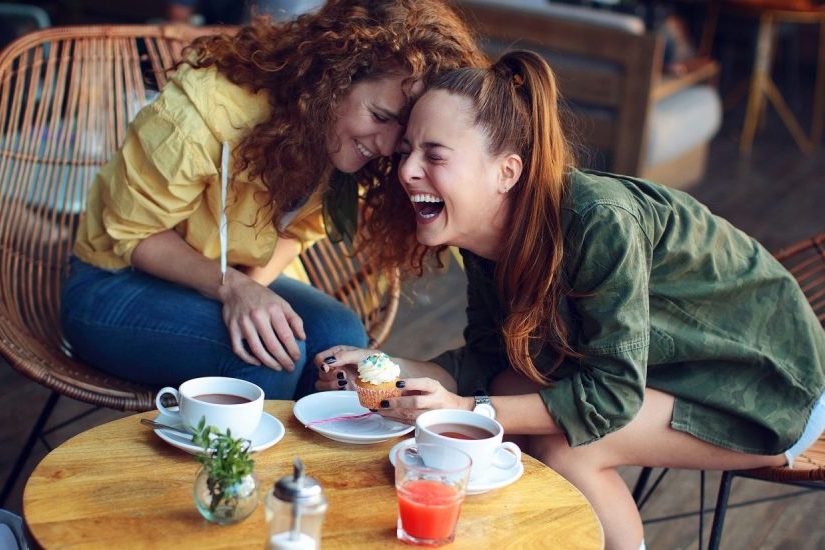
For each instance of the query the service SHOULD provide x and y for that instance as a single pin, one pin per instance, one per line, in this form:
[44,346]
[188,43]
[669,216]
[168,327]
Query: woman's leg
[327,323]
[648,440]
[141,328]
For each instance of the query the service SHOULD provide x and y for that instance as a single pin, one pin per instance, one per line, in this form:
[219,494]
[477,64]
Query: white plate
[495,478]
[329,404]
[269,432]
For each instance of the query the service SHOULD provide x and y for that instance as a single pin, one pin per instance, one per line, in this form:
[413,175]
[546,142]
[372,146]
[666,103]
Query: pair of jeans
[138,327]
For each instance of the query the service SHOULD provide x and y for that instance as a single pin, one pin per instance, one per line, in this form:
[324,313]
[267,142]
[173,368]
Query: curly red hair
[307,65]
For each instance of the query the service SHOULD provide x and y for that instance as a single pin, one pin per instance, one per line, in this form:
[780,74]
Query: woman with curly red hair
[224,178]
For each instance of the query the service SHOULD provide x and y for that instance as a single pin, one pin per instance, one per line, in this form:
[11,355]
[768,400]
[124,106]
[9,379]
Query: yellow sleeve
[156,180]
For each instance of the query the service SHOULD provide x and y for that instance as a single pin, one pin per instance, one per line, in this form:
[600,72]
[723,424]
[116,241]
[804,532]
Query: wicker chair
[806,261]
[66,97]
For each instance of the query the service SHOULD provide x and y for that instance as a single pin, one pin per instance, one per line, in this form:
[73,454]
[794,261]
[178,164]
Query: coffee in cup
[226,403]
[477,435]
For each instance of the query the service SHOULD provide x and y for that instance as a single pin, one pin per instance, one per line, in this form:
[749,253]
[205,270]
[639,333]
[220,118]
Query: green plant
[226,462]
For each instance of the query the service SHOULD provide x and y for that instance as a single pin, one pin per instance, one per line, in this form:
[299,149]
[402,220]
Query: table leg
[761,72]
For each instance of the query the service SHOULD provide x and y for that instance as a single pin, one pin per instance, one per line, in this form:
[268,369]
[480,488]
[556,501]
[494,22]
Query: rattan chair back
[66,98]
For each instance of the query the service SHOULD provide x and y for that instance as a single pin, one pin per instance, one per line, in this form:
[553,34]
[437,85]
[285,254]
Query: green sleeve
[475,364]
[608,267]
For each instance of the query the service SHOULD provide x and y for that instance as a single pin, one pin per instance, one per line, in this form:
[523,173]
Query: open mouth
[366,153]
[427,206]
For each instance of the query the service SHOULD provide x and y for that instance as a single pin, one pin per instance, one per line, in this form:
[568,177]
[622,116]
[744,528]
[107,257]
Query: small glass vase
[237,502]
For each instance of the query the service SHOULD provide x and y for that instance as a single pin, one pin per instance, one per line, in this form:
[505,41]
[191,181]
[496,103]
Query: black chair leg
[641,482]
[721,509]
[27,448]
[638,497]
[701,508]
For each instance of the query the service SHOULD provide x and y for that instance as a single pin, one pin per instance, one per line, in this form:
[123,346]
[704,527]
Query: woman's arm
[518,414]
[428,386]
[167,256]
[286,250]
[254,315]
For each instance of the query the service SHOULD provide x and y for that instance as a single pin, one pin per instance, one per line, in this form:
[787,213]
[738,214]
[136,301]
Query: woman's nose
[388,139]
[408,170]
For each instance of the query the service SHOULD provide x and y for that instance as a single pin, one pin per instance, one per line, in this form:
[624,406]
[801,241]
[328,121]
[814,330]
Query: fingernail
[340,375]
[385,404]
[342,388]
[342,382]
[329,360]
[400,384]
[374,410]
[325,368]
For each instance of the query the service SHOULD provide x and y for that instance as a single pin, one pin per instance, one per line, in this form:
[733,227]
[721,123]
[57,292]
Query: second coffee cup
[475,434]
[226,403]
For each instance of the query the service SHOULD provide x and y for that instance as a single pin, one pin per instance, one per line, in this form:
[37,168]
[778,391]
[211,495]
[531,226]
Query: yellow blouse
[167,175]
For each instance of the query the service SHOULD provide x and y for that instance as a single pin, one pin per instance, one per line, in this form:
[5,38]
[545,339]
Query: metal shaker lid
[299,487]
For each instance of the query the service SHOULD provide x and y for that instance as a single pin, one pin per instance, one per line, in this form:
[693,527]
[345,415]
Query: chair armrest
[701,69]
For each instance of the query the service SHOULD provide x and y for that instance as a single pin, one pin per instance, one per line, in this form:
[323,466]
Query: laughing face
[366,124]
[458,189]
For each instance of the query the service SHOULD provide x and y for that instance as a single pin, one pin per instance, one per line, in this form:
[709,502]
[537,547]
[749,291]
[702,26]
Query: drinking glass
[430,492]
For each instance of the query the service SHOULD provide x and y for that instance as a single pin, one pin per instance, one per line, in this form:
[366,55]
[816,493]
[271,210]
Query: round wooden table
[119,485]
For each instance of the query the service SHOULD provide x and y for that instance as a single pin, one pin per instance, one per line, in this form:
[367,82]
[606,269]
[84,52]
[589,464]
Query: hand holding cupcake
[377,376]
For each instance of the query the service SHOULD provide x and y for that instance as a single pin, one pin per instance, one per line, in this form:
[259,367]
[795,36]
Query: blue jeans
[145,329]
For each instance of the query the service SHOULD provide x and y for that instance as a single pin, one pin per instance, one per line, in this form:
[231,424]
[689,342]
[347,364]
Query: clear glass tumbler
[430,492]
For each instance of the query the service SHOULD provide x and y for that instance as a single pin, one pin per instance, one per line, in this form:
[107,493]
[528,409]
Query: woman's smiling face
[457,188]
[366,124]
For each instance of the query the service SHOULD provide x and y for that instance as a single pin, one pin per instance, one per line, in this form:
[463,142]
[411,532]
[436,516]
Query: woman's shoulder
[592,195]
[228,109]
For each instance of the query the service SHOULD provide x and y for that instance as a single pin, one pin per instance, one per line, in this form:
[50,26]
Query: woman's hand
[337,367]
[419,396]
[265,321]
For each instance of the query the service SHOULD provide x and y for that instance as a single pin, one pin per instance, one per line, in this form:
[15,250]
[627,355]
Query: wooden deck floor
[777,196]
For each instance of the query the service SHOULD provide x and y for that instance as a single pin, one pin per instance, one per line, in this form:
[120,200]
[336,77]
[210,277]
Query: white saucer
[495,478]
[329,404]
[269,432]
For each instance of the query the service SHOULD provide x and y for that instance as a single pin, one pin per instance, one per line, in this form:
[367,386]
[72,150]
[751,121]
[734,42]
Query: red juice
[428,509]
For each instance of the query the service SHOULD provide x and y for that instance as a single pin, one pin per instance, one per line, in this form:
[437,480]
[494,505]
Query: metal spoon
[160,426]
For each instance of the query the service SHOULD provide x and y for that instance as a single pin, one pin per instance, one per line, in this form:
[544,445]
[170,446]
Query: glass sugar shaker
[295,511]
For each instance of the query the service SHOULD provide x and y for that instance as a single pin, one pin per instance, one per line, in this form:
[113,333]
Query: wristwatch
[483,404]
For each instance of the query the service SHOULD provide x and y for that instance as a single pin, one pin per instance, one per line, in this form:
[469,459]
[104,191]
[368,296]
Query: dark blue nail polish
[374,410]
[385,404]
[340,375]
[342,382]
[400,384]
[342,388]
[329,360]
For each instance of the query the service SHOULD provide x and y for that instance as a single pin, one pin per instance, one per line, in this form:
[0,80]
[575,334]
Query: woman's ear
[511,167]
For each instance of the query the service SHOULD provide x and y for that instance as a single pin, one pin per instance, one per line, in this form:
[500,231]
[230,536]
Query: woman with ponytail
[613,321]
[186,259]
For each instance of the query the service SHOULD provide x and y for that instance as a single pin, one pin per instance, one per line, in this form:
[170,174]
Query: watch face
[486,409]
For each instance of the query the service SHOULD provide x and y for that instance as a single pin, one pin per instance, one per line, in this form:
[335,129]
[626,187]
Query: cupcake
[377,375]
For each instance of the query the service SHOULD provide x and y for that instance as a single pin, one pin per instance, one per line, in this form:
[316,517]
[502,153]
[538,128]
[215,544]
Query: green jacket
[671,297]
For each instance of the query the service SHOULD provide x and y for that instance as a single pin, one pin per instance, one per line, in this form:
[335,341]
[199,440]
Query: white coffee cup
[486,448]
[226,403]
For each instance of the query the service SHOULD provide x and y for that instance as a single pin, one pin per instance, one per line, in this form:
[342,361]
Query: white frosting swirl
[378,368]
